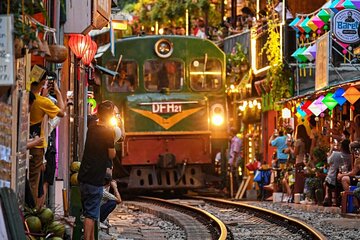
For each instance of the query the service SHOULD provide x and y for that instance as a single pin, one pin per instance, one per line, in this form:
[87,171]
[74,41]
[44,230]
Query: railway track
[212,218]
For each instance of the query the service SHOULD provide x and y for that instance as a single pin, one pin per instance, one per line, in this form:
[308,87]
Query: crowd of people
[305,165]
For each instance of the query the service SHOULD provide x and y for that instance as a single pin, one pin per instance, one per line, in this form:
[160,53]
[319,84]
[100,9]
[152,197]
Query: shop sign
[6,51]
[322,62]
[346,25]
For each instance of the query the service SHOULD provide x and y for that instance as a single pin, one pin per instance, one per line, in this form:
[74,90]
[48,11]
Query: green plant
[279,75]
[237,57]
[23,28]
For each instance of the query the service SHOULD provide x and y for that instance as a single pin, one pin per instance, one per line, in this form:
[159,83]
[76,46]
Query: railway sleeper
[149,177]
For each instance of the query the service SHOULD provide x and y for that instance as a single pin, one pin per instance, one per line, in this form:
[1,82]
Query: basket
[58,53]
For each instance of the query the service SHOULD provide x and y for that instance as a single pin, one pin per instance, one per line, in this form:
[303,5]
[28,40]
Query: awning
[106,71]
[101,50]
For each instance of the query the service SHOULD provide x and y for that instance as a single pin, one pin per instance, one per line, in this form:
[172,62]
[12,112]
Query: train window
[127,80]
[160,74]
[205,74]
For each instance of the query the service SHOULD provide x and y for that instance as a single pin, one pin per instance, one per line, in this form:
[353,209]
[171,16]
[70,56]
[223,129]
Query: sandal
[326,202]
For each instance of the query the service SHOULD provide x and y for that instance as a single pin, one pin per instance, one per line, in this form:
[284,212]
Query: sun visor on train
[106,70]
[101,50]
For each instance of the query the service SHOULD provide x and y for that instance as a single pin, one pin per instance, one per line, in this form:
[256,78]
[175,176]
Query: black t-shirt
[96,159]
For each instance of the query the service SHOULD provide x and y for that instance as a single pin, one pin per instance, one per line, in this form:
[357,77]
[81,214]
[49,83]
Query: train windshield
[205,74]
[126,80]
[160,74]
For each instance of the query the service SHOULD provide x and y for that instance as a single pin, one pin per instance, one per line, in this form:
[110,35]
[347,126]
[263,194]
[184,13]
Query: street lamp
[78,44]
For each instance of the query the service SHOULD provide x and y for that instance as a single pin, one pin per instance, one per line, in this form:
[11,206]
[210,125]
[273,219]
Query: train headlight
[217,114]
[164,48]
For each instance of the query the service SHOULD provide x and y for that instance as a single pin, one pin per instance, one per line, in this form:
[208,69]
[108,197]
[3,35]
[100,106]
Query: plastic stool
[350,206]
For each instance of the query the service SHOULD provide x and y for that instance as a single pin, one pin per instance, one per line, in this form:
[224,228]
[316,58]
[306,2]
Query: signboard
[6,50]
[166,108]
[346,25]
[322,62]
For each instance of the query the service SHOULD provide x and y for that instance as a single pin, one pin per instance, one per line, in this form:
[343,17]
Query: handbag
[58,53]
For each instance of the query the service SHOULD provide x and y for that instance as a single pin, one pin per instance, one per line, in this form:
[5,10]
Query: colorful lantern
[293,24]
[338,96]
[308,54]
[324,15]
[317,21]
[312,50]
[340,5]
[333,6]
[329,101]
[299,112]
[305,106]
[349,5]
[89,54]
[304,25]
[311,24]
[314,109]
[298,25]
[352,94]
[301,56]
[78,44]
[356,3]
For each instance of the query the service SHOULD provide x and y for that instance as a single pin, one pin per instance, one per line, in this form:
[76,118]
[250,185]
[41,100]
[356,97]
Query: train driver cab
[205,74]
[126,80]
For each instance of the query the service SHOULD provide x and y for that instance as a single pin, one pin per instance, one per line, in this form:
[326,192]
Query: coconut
[57,228]
[34,224]
[75,166]
[46,216]
[74,179]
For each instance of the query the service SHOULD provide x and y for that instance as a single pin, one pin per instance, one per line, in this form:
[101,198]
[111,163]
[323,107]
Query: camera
[51,78]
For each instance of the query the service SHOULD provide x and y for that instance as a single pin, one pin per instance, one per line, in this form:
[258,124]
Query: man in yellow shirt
[42,106]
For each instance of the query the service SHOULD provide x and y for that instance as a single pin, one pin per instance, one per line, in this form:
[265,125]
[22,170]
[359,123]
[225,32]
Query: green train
[170,94]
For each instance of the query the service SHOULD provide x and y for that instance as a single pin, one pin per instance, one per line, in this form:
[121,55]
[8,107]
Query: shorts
[91,198]
[50,168]
[354,180]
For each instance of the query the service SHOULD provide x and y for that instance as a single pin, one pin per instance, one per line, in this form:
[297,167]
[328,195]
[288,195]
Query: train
[170,94]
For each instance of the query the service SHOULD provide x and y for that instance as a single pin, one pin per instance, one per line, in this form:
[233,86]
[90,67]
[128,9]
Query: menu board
[5,144]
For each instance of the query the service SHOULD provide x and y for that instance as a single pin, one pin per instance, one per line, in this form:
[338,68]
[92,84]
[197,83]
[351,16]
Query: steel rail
[309,229]
[219,224]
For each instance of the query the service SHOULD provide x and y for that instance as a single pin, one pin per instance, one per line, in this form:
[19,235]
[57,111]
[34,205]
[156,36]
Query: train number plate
[166,108]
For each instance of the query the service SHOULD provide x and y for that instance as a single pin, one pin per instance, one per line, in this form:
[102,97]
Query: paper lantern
[326,6]
[356,3]
[317,21]
[312,25]
[301,56]
[317,107]
[308,54]
[305,106]
[352,94]
[89,54]
[324,15]
[299,112]
[293,24]
[333,6]
[349,5]
[312,50]
[295,54]
[338,96]
[304,25]
[78,44]
[340,5]
[329,101]
[298,25]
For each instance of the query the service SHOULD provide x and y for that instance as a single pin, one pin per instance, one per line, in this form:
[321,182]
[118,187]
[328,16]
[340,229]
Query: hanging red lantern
[89,54]
[79,43]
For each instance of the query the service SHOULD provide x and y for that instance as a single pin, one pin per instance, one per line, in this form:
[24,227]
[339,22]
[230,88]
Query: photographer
[41,108]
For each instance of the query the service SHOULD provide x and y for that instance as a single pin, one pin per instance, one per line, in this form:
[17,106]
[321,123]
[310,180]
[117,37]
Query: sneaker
[306,201]
[106,222]
[285,199]
[103,226]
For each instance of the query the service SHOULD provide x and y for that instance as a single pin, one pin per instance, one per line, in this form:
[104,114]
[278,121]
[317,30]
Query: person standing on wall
[97,159]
